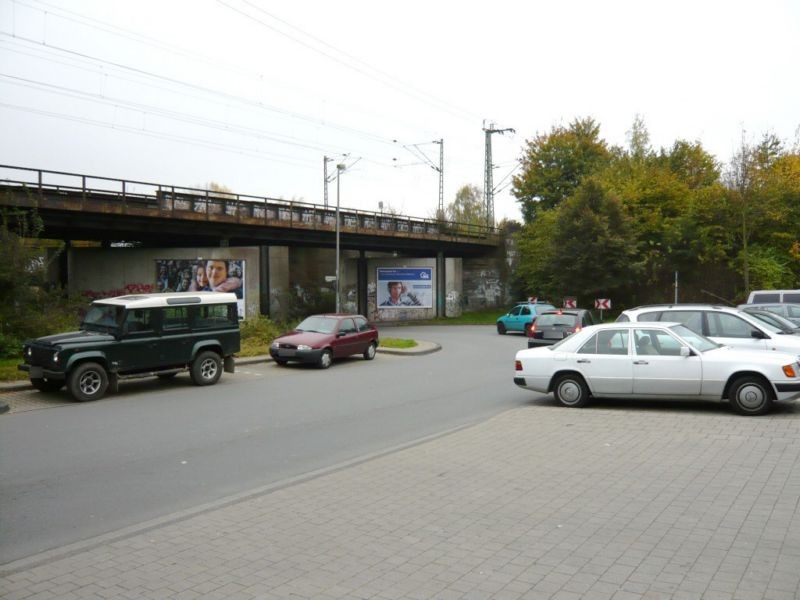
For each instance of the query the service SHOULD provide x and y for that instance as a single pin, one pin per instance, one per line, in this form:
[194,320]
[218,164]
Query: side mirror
[758,334]
[340,333]
[686,351]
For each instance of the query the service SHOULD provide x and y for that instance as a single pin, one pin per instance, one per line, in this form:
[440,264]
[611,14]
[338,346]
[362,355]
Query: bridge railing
[140,197]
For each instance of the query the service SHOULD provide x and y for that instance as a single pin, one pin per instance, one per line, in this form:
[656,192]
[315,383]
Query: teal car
[521,317]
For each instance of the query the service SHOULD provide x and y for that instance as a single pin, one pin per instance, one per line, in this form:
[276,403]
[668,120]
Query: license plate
[554,335]
[36,372]
[287,353]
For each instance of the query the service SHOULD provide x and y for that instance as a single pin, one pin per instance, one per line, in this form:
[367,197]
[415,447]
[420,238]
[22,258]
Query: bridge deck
[102,196]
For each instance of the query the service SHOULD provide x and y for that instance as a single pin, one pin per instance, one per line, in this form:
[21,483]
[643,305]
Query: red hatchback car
[321,338]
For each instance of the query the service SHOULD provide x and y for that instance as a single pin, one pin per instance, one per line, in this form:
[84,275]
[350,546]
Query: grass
[9,371]
[487,316]
[397,343]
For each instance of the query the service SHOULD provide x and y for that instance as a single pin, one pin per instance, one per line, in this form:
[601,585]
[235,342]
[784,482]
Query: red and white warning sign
[570,302]
[603,303]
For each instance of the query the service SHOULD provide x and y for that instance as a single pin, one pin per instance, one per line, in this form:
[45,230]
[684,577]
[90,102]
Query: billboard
[406,287]
[202,275]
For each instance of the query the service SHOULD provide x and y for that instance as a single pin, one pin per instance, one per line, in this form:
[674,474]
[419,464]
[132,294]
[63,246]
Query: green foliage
[555,164]
[257,334]
[29,305]
[468,207]
[620,222]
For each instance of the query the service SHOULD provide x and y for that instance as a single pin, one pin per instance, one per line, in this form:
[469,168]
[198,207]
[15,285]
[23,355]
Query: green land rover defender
[138,336]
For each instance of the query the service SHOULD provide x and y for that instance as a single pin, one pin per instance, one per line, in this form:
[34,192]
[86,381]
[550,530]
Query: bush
[257,334]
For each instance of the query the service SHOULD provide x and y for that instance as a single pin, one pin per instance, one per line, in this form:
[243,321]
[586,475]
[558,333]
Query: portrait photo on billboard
[405,287]
[202,275]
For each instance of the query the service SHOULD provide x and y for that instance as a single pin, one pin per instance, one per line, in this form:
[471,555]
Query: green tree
[555,164]
[29,307]
[467,208]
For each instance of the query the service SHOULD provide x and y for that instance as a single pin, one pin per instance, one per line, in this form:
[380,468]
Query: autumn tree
[554,164]
[468,207]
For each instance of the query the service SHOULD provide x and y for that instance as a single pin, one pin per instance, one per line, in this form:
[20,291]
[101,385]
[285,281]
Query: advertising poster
[195,275]
[406,287]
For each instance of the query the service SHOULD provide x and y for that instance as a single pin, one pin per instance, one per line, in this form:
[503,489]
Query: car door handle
[583,360]
[641,362]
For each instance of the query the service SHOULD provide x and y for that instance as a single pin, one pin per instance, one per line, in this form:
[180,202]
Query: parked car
[787,310]
[657,360]
[521,316]
[773,319]
[767,296]
[722,324]
[138,336]
[319,339]
[554,325]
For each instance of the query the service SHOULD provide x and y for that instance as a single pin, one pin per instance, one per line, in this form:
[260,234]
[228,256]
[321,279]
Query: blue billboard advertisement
[405,287]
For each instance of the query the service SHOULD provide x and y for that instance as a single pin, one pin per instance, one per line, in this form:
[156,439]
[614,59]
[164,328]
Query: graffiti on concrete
[453,303]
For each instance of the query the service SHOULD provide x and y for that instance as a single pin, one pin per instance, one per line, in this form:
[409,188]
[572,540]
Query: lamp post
[339,170]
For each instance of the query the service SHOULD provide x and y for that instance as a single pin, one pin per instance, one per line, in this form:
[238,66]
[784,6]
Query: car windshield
[785,325]
[101,317]
[700,342]
[318,325]
[556,320]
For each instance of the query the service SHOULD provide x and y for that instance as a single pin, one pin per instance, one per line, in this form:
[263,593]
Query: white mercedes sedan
[658,361]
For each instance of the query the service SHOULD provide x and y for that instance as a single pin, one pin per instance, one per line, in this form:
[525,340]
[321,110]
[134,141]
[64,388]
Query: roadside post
[602,304]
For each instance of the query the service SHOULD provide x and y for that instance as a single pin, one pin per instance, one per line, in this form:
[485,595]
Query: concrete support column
[278,280]
[361,275]
[441,285]
[263,280]
[63,265]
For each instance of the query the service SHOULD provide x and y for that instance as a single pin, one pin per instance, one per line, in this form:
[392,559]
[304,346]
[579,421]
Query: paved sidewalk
[608,502]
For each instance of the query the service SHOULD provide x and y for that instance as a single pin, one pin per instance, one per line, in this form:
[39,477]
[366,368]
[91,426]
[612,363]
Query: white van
[767,296]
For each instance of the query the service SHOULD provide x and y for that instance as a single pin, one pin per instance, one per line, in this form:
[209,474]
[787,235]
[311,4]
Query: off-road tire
[88,381]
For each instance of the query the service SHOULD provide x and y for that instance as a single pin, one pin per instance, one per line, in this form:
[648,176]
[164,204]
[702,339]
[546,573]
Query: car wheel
[571,390]
[325,359]
[206,368]
[369,353]
[501,329]
[750,396]
[47,385]
[88,381]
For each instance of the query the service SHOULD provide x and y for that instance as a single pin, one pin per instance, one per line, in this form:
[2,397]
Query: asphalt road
[75,471]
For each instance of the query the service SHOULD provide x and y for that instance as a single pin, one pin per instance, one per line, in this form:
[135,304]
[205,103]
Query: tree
[555,164]
[28,306]
[747,181]
[467,208]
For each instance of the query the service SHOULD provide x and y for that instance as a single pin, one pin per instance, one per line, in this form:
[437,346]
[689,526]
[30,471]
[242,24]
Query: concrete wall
[485,283]
[119,271]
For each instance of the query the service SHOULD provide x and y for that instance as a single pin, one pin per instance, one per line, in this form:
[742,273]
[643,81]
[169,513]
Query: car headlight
[28,351]
[276,345]
[303,347]
[55,357]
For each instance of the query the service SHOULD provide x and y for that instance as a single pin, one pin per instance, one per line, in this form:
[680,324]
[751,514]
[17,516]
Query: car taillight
[518,365]
[577,329]
[531,329]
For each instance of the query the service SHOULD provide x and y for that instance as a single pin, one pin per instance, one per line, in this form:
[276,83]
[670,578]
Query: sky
[253,95]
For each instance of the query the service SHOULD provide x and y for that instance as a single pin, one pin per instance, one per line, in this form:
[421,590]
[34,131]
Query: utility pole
[326,179]
[488,183]
[420,154]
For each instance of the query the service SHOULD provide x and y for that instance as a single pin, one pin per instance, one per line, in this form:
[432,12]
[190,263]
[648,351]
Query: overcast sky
[253,94]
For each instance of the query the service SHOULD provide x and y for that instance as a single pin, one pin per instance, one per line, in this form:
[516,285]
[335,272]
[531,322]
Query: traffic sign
[570,302]
[603,303]
[330,277]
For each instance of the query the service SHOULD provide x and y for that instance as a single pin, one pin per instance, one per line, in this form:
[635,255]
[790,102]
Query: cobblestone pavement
[614,501]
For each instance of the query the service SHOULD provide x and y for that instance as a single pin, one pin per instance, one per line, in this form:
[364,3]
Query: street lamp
[339,170]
